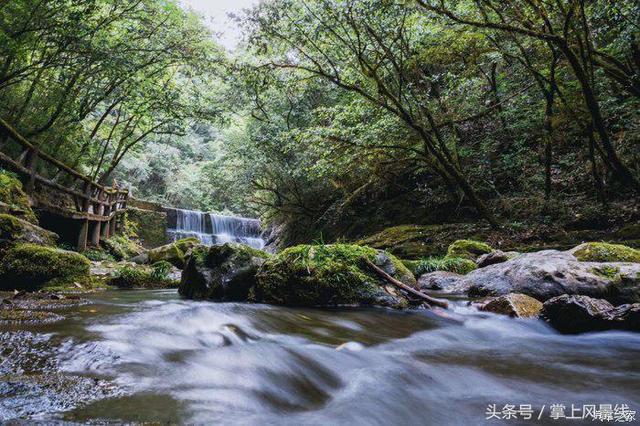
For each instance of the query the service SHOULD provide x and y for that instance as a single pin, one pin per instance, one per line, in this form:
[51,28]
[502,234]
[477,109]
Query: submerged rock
[515,305]
[331,275]
[224,273]
[31,267]
[173,253]
[577,314]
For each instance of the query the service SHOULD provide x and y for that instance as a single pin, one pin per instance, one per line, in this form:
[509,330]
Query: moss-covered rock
[468,249]
[32,267]
[132,276]
[515,305]
[222,273]
[14,230]
[122,247]
[330,275]
[605,252]
[173,253]
[151,226]
[12,195]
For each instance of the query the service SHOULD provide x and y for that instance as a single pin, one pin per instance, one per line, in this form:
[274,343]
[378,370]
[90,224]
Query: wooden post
[95,234]
[112,226]
[106,228]
[82,235]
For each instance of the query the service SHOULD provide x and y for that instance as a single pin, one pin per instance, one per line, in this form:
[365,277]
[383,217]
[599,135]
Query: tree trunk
[620,170]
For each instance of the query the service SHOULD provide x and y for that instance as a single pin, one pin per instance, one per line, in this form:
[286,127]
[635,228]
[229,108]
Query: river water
[137,356]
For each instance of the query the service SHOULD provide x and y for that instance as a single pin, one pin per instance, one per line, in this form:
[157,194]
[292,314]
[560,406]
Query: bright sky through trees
[216,16]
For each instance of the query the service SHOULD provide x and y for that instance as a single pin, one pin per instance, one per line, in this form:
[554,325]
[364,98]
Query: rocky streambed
[151,356]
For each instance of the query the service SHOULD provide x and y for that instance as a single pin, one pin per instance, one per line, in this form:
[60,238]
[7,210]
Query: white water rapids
[212,229]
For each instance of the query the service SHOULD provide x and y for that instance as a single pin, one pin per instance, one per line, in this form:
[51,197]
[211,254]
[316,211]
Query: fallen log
[431,300]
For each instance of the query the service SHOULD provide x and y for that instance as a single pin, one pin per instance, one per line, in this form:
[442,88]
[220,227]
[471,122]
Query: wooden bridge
[89,209]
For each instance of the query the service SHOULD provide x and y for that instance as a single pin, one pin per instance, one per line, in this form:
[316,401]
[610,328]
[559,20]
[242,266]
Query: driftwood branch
[403,286]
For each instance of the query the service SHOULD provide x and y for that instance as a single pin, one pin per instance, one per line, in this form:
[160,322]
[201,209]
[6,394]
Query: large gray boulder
[578,314]
[547,274]
[221,273]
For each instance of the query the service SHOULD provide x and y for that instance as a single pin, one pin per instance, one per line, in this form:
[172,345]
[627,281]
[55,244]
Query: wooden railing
[92,203]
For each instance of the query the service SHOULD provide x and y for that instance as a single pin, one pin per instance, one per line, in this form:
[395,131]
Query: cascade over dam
[212,228]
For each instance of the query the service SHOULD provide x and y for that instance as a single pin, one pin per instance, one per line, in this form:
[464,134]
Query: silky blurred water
[147,356]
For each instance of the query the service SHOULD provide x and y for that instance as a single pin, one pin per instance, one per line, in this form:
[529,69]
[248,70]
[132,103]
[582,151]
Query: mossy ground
[31,267]
[312,275]
[604,252]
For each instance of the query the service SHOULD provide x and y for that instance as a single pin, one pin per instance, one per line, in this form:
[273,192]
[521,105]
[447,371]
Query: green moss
[11,193]
[143,277]
[122,247]
[313,275]
[605,252]
[458,265]
[417,242]
[151,226]
[468,249]
[98,255]
[30,267]
[174,253]
[606,271]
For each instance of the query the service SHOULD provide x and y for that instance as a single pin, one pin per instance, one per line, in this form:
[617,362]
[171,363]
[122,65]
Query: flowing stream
[211,228]
[136,356]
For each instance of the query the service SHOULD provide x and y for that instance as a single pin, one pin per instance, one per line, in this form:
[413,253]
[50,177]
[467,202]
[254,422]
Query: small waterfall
[211,228]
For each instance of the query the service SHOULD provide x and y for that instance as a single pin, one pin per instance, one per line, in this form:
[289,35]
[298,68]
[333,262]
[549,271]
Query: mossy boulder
[14,230]
[133,276]
[605,252]
[514,305]
[32,267]
[14,198]
[222,273]
[173,253]
[122,247]
[468,249]
[331,275]
[151,226]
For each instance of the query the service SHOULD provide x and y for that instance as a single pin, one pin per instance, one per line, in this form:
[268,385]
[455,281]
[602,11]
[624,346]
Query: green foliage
[459,265]
[32,267]
[98,255]
[604,252]
[122,247]
[161,270]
